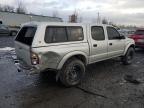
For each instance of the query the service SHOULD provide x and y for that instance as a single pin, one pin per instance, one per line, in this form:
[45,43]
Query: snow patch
[7,49]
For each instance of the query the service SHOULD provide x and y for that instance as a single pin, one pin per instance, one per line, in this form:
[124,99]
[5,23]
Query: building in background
[15,20]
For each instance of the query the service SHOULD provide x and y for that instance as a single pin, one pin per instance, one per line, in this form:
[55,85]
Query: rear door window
[26,35]
[97,33]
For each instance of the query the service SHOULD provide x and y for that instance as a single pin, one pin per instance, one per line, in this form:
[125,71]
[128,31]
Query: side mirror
[122,37]
[119,37]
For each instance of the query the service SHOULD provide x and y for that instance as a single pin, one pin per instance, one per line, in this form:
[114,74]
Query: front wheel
[72,72]
[128,58]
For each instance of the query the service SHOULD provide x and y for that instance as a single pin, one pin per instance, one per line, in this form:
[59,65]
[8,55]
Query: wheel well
[133,46]
[80,57]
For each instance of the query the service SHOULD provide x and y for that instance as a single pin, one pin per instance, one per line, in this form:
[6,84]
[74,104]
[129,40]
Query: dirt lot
[103,87]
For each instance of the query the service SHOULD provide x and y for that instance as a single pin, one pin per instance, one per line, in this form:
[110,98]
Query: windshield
[26,35]
[139,32]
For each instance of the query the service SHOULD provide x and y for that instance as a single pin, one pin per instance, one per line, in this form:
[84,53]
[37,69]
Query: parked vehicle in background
[1,21]
[69,48]
[5,31]
[126,32]
[138,37]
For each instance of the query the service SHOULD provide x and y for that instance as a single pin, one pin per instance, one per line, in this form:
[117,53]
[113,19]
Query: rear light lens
[34,59]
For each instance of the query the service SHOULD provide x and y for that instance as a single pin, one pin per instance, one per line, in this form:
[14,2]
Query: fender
[127,47]
[69,55]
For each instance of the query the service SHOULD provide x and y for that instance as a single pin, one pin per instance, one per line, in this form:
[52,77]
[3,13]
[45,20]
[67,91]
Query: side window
[97,33]
[55,34]
[112,33]
[75,33]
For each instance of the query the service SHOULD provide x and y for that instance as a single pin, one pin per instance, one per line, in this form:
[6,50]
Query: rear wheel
[128,58]
[72,72]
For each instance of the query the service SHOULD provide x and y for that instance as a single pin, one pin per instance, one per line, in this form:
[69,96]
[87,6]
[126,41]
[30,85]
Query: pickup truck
[69,47]
[6,31]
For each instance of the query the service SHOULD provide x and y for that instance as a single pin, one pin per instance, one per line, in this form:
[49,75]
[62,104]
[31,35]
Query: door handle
[110,43]
[94,45]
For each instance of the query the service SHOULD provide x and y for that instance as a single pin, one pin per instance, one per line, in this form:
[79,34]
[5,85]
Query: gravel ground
[6,41]
[103,87]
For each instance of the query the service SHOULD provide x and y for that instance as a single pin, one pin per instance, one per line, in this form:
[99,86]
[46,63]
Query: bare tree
[105,21]
[74,17]
[80,19]
[97,19]
[21,7]
[55,13]
[1,8]
[8,8]
[111,23]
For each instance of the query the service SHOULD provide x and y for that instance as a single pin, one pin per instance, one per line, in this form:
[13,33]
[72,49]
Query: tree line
[20,8]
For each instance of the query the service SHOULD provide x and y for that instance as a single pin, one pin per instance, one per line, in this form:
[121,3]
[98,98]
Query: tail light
[34,59]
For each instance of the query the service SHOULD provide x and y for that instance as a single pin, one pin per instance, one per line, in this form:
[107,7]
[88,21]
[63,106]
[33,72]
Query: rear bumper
[21,66]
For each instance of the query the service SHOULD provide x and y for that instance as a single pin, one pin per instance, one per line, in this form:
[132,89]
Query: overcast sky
[118,11]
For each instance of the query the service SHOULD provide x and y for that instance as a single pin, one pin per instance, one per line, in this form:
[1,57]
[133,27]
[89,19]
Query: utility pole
[98,19]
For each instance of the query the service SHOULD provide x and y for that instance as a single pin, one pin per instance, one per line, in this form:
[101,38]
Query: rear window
[26,35]
[139,32]
[63,34]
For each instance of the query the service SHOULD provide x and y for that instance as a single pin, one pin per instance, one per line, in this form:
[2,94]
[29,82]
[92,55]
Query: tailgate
[23,43]
[23,52]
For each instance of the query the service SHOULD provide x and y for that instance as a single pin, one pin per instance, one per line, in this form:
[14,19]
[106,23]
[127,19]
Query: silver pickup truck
[69,48]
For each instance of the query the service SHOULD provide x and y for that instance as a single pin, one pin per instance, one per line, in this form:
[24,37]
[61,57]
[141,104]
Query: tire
[72,72]
[128,58]
[13,33]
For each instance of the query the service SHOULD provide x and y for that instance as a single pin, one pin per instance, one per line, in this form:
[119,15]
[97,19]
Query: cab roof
[35,23]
